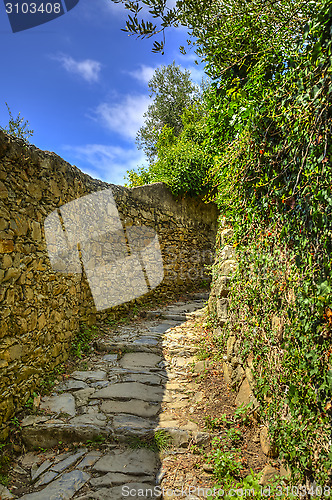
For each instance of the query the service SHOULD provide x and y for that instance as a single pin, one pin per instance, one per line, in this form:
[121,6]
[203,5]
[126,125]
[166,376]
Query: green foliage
[96,440]
[234,435]
[29,402]
[231,34]
[182,161]
[181,164]
[138,177]
[4,479]
[17,126]
[273,179]
[172,91]
[5,463]
[212,423]
[226,465]
[50,380]
[81,344]
[174,135]
[161,440]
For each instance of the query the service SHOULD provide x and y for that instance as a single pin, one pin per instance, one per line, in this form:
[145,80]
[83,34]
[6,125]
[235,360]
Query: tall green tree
[182,161]
[172,91]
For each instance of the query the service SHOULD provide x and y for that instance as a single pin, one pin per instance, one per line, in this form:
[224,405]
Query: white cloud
[124,117]
[115,9]
[196,74]
[88,69]
[144,74]
[108,163]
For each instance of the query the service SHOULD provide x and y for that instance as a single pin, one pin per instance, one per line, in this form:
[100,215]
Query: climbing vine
[273,178]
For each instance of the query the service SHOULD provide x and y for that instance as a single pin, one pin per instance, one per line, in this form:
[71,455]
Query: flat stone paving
[121,396]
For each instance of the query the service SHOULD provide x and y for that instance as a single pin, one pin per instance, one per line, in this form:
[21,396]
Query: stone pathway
[131,392]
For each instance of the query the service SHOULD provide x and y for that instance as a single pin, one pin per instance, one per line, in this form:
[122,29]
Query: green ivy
[272,181]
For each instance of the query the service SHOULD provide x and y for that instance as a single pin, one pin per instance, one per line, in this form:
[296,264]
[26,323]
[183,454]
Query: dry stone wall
[42,309]
[238,372]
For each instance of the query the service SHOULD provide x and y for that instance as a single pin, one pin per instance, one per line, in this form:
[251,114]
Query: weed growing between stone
[96,441]
[160,441]
[81,344]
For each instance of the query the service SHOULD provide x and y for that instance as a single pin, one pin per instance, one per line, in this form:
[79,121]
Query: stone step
[125,396]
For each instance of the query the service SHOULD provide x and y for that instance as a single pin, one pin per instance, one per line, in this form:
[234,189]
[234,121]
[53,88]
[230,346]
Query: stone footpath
[132,391]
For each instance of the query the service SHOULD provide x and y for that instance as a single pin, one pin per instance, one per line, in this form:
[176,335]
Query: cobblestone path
[131,392]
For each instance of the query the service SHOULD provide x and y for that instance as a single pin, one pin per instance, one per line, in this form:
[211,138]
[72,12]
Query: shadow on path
[123,400]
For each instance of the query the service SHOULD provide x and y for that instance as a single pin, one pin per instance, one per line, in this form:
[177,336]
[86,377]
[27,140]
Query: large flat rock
[98,419]
[140,462]
[134,491]
[61,489]
[115,478]
[133,407]
[130,390]
[63,403]
[49,434]
[91,375]
[132,426]
[138,359]
[142,377]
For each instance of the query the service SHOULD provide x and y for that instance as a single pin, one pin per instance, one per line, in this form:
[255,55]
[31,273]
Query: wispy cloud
[108,163]
[88,69]
[115,9]
[144,73]
[124,117]
[197,74]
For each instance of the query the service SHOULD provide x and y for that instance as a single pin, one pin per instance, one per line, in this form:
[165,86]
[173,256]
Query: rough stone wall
[40,309]
[238,372]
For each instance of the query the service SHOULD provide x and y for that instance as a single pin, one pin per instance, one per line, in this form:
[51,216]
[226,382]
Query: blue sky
[81,83]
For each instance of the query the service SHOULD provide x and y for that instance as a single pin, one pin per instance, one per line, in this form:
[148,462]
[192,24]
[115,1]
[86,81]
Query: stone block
[6,246]
[3,224]
[36,231]
[222,286]
[267,447]
[15,352]
[22,224]
[12,274]
[54,188]
[225,235]
[3,191]
[245,395]
[35,191]
[277,327]
[238,376]
[222,306]
[227,371]
[269,474]
[6,409]
[250,377]
[230,344]
[227,267]
[41,321]
[285,472]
